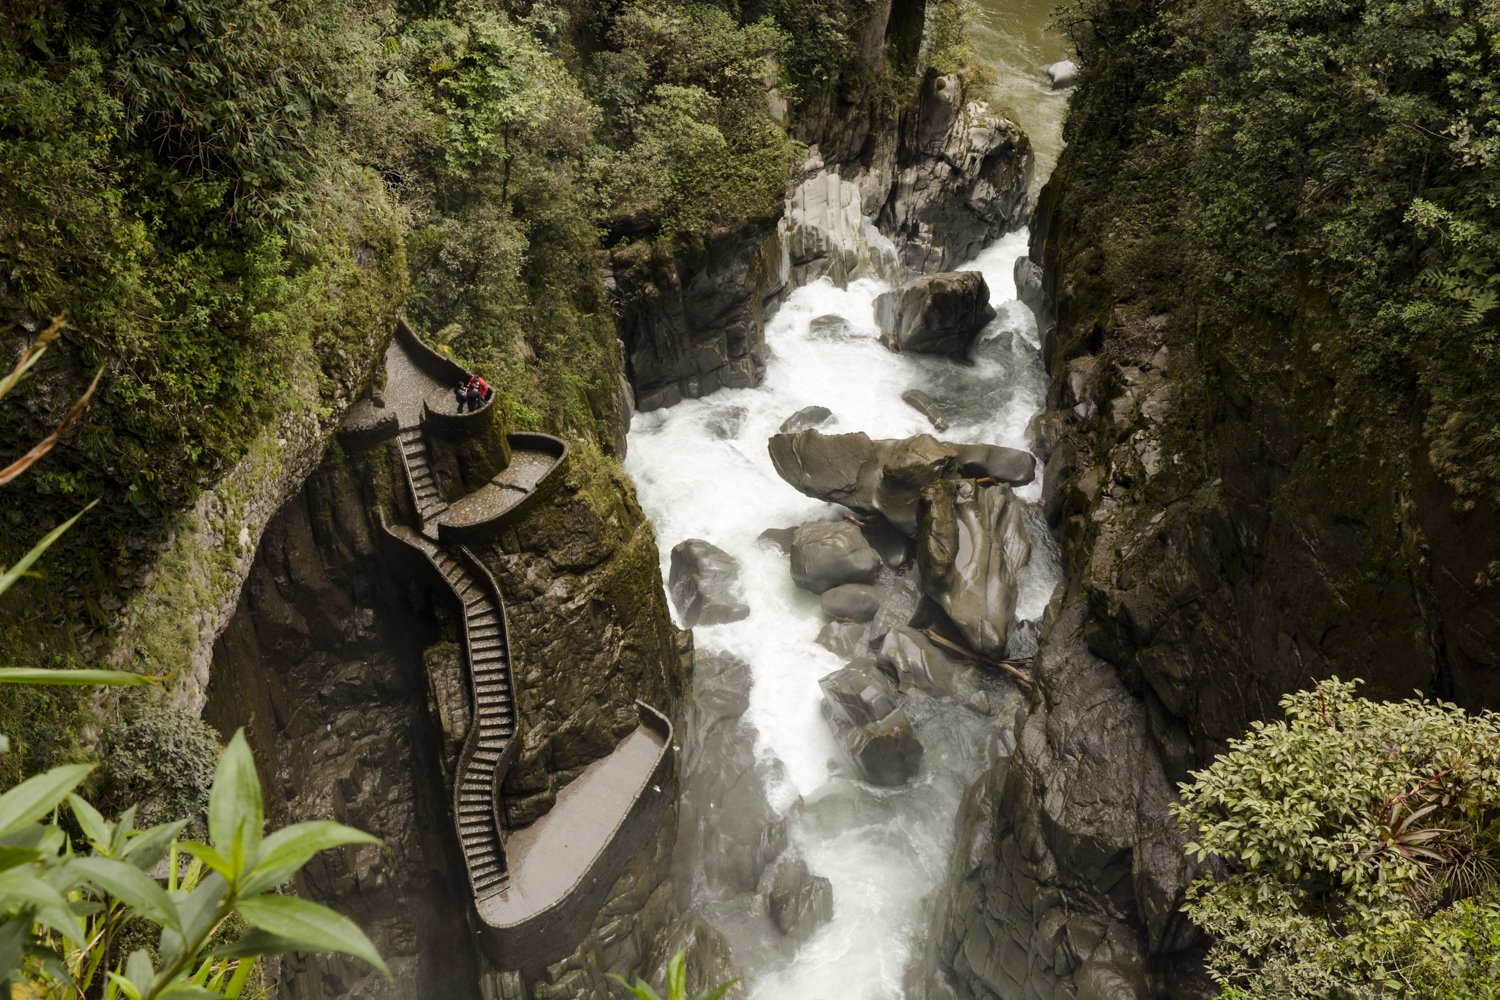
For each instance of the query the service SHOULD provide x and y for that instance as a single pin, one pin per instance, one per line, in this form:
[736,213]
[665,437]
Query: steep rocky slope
[1247,503]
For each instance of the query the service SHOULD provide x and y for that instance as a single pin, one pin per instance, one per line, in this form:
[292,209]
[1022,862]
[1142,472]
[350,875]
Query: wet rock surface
[885,477]
[927,406]
[826,554]
[808,416]
[843,638]
[860,705]
[1067,879]
[972,545]
[854,602]
[935,314]
[799,901]
[704,584]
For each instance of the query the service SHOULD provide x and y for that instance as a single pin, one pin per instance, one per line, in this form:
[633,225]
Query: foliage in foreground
[676,983]
[62,911]
[1362,846]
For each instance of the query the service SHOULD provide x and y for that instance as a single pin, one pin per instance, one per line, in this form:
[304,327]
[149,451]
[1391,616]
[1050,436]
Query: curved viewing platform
[536,889]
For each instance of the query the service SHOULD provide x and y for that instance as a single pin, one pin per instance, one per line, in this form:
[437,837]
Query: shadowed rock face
[703,582]
[972,545]
[800,901]
[935,314]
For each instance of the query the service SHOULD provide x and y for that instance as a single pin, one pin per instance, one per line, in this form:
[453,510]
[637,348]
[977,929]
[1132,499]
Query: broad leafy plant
[676,983]
[1349,829]
[62,907]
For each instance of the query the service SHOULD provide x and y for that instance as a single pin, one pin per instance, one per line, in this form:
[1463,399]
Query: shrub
[1350,830]
[162,761]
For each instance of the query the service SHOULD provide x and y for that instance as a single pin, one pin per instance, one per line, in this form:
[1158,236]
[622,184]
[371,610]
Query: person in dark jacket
[462,392]
[473,395]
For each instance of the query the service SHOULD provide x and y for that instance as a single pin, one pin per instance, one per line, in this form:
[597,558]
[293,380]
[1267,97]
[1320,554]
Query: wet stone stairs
[419,469]
[490,744]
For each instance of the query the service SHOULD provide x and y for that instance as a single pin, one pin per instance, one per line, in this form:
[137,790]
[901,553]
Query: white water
[703,471]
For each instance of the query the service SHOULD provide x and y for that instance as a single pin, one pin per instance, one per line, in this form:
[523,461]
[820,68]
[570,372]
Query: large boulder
[799,901]
[971,545]
[886,476]
[808,416]
[703,581]
[826,554]
[854,602]
[859,703]
[843,638]
[919,665]
[935,314]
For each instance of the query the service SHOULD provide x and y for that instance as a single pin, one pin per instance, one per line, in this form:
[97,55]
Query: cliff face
[333,661]
[1244,510]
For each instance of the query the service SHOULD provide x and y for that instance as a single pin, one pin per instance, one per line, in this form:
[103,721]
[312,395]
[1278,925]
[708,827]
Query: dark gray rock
[726,823]
[927,406]
[1062,74]
[843,639]
[972,545]
[703,582]
[886,477]
[838,468]
[885,538]
[808,416]
[1011,466]
[799,901]
[859,703]
[826,554]
[1023,639]
[899,595]
[1056,889]
[1028,278]
[964,179]
[831,327]
[918,664]
[856,602]
[779,537]
[935,314]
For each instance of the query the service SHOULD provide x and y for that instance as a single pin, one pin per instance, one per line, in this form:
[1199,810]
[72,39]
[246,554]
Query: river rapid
[702,471]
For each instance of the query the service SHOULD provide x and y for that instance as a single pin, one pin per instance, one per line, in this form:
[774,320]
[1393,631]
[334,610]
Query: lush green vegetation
[67,914]
[1264,160]
[1362,847]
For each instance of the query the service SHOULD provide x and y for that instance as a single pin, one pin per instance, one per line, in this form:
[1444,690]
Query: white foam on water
[703,471]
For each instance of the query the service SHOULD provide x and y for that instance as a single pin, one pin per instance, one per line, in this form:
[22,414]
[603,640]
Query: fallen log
[1008,665]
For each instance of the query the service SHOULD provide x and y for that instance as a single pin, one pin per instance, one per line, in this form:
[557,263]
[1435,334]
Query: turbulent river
[703,471]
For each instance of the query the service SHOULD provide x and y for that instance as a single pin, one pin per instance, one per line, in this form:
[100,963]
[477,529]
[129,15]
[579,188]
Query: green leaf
[10,576]
[148,847]
[131,886]
[235,809]
[36,797]
[320,927]
[139,971]
[74,678]
[208,856]
[20,889]
[188,991]
[717,993]
[92,821]
[125,986]
[677,976]
[642,989]
[14,857]
[288,849]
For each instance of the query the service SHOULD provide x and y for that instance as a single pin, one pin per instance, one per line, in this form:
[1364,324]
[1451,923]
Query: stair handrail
[471,742]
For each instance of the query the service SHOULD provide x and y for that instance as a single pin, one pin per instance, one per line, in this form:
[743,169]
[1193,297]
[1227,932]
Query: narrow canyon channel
[703,471]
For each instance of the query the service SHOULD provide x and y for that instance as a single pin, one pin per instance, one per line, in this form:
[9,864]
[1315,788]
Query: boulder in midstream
[805,418]
[918,664]
[935,314]
[855,602]
[826,554]
[779,537]
[1062,74]
[973,542]
[799,900]
[852,469]
[703,582]
[843,638]
[726,822]
[927,406]
[831,327]
[859,703]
